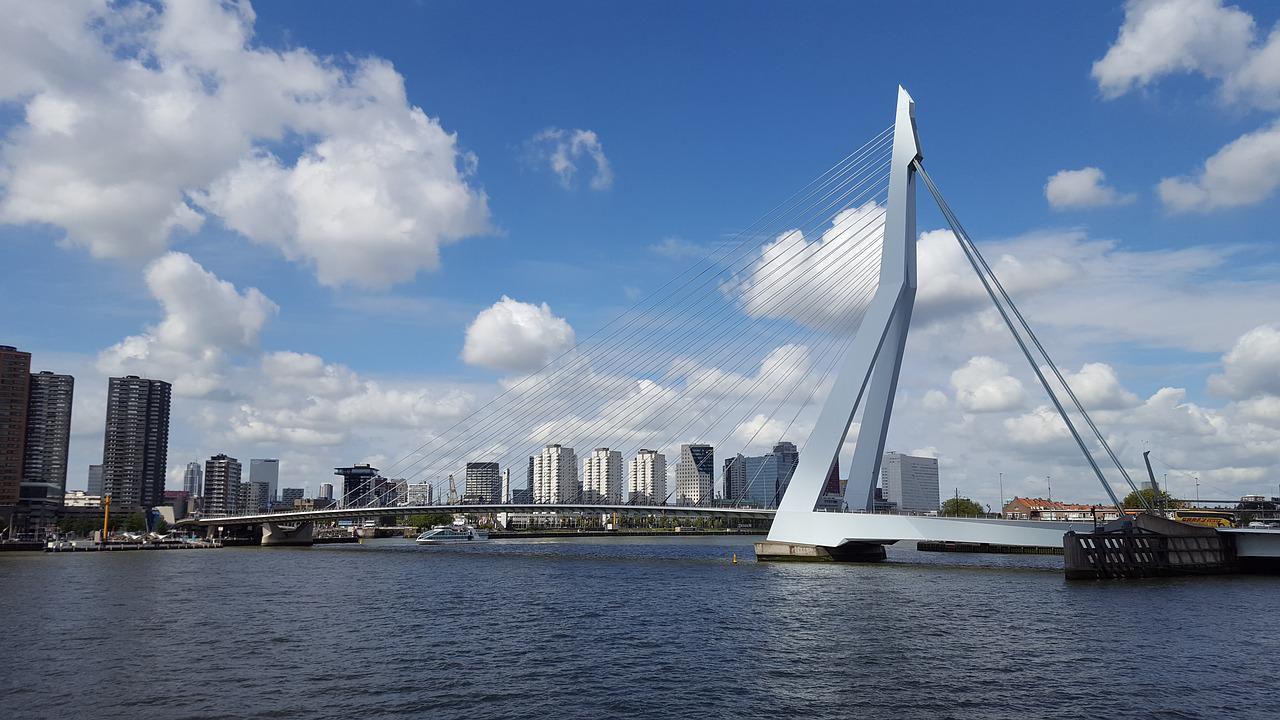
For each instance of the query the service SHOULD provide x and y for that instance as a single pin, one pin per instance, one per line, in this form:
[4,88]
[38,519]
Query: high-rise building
[259,496]
[15,379]
[484,483]
[419,493]
[244,499]
[289,495]
[265,470]
[555,475]
[357,484]
[135,447]
[760,480]
[506,485]
[95,481]
[193,480]
[647,478]
[910,482]
[44,474]
[221,485]
[695,475]
[326,491]
[602,477]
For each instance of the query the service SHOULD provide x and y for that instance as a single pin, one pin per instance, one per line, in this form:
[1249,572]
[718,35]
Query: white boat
[459,532]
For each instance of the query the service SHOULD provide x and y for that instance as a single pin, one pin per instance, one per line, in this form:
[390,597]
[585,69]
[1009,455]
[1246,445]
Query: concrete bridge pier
[846,552]
[280,534]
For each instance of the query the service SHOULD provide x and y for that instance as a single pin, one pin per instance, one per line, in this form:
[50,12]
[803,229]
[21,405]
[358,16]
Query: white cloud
[1083,188]
[515,336]
[140,122]
[205,321]
[562,150]
[1244,172]
[1252,366]
[1096,386]
[985,385]
[1038,427]
[934,400]
[827,282]
[1160,37]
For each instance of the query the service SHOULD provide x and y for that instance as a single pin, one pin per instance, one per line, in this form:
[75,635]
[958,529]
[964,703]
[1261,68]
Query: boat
[458,532]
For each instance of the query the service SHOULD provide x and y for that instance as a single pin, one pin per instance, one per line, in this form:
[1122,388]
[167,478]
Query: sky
[340,228]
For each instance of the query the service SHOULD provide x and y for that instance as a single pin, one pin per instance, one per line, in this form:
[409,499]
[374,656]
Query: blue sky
[708,114]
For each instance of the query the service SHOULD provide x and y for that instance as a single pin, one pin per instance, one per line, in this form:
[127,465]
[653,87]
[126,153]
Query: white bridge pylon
[868,380]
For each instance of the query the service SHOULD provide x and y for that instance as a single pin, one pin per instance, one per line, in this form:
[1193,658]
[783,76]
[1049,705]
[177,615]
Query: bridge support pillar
[800,552]
[279,534]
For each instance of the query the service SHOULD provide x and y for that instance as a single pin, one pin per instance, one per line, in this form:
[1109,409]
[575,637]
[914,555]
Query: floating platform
[993,548]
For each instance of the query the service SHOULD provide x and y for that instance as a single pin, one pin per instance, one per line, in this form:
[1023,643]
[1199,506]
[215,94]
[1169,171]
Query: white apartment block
[555,475]
[602,477]
[647,478]
[695,475]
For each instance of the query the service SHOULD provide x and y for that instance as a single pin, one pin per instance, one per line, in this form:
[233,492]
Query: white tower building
[602,477]
[555,475]
[694,475]
[647,478]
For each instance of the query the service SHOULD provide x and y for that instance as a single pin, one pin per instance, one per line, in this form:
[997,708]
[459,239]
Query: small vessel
[458,532]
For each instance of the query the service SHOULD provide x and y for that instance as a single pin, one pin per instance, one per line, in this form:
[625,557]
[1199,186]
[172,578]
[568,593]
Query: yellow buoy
[735,558]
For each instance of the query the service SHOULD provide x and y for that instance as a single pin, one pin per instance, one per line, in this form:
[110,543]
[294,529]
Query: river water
[620,628]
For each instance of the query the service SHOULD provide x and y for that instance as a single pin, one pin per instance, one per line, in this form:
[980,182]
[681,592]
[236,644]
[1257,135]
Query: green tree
[136,522]
[423,522]
[1164,500]
[961,507]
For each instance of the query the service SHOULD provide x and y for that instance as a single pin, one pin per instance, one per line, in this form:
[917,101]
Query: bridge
[837,310]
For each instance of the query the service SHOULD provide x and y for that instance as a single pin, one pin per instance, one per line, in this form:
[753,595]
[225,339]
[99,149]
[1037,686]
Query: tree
[428,521]
[136,522]
[1164,500]
[961,507]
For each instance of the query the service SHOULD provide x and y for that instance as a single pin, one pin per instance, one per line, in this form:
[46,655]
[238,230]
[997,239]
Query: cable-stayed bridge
[811,302]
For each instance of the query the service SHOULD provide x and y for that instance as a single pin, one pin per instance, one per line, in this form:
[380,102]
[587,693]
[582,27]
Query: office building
[95,481]
[761,480]
[789,459]
[259,497]
[48,435]
[193,480]
[910,482]
[15,379]
[522,496]
[179,501]
[289,497]
[647,478]
[695,475]
[506,486]
[555,475]
[483,483]
[357,484]
[602,477]
[221,485]
[266,470]
[326,491]
[135,447]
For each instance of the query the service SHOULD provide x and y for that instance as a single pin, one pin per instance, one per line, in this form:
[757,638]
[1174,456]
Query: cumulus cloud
[1252,366]
[985,385]
[563,150]
[206,320]
[1160,37]
[826,282]
[1096,386]
[1083,188]
[1244,172]
[141,121]
[516,336]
